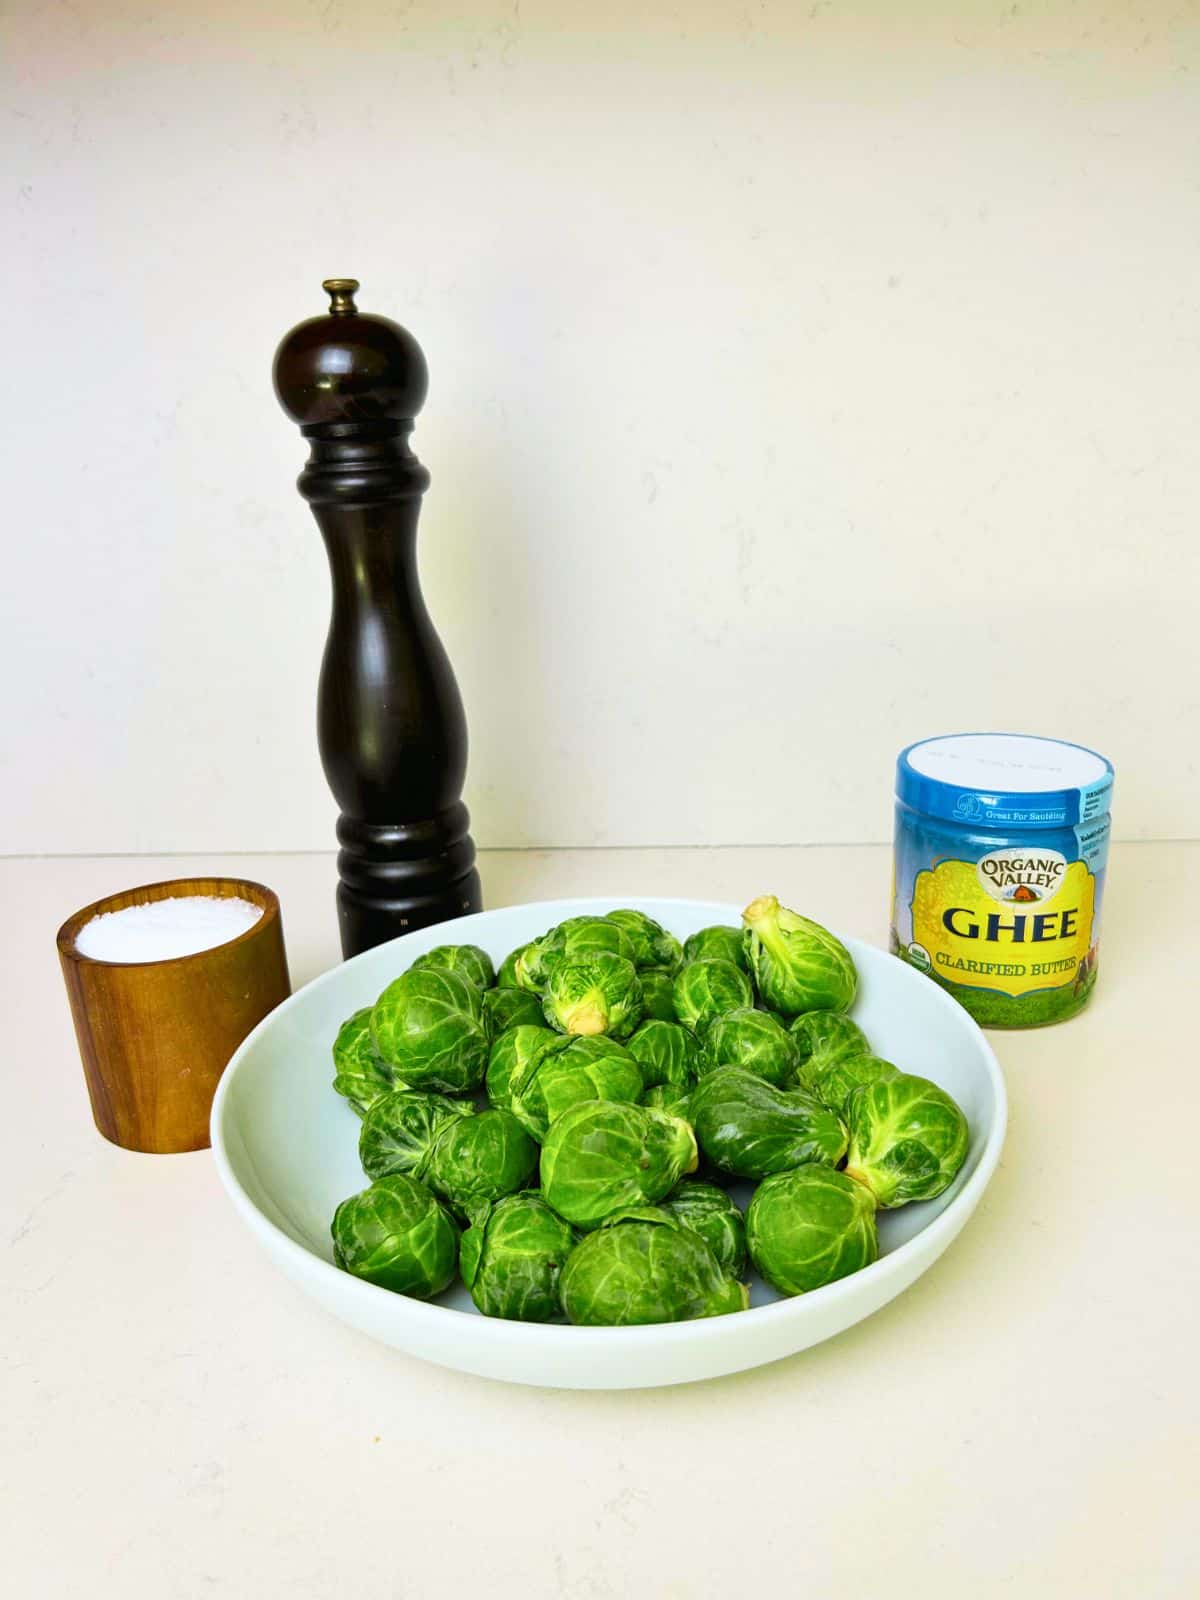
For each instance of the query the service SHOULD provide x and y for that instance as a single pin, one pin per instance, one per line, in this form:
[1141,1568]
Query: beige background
[806,379]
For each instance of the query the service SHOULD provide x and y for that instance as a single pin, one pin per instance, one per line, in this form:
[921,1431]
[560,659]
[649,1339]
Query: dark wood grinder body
[390,723]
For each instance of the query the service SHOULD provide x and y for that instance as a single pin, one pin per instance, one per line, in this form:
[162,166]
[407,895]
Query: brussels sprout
[706,990]
[710,1212]
[512,1053]
[597,994]
[717,944]
[573,940]
[509,1008]
[798,965]
[670,1097]
[585,1069]
[396,1234]
[776,1016]
[751,1040]
[824,1038]
[400,1128]
[512,1256]
[464,960]
[748,1127]
[360,1072]
[478,1159]
[835,1057]
[653,946]
[428,1025]
[592,1047]
[908,1139]
[527,964]
[643,1266]
[809,1226]
[603,1155]
[658,993]
[666,1053]
[837,1083]
[506,977]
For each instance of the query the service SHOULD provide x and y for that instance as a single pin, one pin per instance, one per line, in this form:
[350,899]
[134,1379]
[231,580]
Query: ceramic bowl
[286,1149]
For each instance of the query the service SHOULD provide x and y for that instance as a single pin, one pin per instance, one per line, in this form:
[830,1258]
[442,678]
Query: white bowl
[286,1149]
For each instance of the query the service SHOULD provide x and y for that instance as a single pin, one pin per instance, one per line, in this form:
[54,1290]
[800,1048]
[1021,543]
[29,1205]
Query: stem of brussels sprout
[695,1159]
[861,1179]
[737,1296]
[760,910]
[587,1019]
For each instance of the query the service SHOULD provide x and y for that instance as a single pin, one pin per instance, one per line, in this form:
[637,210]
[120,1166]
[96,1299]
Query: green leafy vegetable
[706,990]
[908,1139]
[586,1069]
[512,1256]
[716,944]
[748,1127]
[666,1053]
[506,977]
[798,965]
[751,1040]
[512,1053]
[572,941]
[634,1062]
[602,1155]
[825,1038]
[478,1159]
[836,1085]
[509,1008]
[658,993]
[600,993]
[808,1227]
[464,960]
[643,1267]
[396,1235]
[428,1025]
[399,1130]
[709,1211]
[669,1097]
[652,945]
[360,1072]
[835,1057]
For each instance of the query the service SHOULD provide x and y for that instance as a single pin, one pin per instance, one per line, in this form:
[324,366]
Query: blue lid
[1011,780]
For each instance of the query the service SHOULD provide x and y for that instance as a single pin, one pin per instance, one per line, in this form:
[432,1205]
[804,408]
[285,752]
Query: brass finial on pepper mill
[390,723]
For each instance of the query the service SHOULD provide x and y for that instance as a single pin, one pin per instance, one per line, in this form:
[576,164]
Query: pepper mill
[390,723]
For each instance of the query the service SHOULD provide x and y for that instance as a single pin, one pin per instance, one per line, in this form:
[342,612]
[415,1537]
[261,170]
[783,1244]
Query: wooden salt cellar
[155,1036]
[390,722]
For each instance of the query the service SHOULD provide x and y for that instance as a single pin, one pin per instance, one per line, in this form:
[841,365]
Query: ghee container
[1000,860]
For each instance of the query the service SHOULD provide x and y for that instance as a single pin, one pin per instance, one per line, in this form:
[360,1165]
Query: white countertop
[177,1421]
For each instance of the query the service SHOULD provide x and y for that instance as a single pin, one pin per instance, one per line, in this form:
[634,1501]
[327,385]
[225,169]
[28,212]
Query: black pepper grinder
[390,723]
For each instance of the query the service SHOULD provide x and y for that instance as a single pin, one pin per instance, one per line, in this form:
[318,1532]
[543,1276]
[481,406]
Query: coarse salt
[160,930]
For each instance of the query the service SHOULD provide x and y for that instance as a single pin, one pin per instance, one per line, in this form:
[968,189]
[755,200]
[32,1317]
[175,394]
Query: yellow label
[1011,930]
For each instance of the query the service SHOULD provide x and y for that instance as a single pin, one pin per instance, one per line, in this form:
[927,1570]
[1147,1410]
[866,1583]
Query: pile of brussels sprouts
[561,1133]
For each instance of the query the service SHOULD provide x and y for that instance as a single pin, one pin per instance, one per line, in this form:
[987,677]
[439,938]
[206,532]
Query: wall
[804,380]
